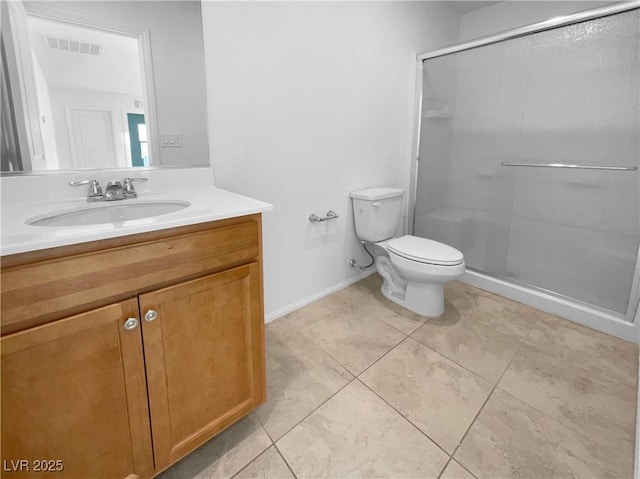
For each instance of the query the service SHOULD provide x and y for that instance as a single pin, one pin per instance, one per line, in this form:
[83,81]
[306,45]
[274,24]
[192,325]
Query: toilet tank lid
[377,193]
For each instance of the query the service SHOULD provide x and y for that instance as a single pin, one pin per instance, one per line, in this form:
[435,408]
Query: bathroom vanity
[123,354]
[132,328]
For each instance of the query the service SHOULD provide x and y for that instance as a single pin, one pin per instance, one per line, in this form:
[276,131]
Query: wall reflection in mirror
[81,88]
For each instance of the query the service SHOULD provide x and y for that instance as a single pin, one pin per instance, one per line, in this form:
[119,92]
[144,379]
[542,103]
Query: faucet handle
[95,190]
[128,189]
[129,180]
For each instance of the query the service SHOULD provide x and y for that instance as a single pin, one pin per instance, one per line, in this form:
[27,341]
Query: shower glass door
[564,96]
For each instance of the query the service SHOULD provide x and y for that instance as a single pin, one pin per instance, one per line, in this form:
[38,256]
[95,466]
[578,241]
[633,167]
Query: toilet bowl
[414,269]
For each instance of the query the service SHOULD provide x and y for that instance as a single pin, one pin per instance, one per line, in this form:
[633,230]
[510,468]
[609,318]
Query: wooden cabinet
[115,401]
[74,391]
[203,350]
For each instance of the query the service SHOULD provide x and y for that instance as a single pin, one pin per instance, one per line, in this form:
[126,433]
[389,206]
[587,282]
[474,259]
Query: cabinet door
[73,391]
[204,354]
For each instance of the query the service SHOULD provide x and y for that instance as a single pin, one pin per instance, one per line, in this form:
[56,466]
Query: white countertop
[207,203]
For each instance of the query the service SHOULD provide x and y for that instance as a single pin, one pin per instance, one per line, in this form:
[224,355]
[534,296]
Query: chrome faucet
[95,190]
[115,189]
[128,190]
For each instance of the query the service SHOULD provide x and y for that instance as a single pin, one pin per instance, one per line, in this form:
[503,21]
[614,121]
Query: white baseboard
[315,297]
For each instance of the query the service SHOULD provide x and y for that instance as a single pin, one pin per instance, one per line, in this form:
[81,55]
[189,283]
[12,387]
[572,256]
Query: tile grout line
[369,313]
[445,467]
[521,342]
[255,415]
[466,469]
[264,428]
[406,419]
[350,304]
[480,411]
[353,378]
[274,442]
[519,351]
[371,295]
[569,427]
[526,403]
[533,326]
[392,326]
[551,418]
[319,346]
[451,459]
[285,461]
[357,377]
[252,461]
[383,355]
[450,359]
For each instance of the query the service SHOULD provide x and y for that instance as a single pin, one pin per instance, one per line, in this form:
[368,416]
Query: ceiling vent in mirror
[73,46]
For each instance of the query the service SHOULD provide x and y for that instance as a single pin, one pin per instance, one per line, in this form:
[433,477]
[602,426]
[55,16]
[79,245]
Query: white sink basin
[113,212]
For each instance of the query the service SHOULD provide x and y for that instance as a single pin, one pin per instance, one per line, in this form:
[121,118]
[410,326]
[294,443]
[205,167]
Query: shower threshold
[606,321]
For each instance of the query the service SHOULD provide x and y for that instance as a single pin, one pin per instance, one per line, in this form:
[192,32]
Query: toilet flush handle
[376,203]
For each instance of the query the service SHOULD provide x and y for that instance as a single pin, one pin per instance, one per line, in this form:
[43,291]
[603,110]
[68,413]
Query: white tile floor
[360,388]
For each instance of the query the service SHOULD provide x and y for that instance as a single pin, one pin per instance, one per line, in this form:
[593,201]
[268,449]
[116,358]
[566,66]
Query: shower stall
[527,155]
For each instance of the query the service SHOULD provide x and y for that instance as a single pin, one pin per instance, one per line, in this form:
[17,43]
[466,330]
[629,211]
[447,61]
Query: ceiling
[463,7]
[115,70]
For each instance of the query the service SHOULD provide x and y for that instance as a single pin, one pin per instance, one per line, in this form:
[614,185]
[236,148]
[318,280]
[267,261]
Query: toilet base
[425,299]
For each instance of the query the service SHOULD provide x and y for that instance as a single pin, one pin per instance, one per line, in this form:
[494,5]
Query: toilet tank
[377,212]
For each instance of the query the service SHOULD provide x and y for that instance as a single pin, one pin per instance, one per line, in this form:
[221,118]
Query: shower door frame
[623,326]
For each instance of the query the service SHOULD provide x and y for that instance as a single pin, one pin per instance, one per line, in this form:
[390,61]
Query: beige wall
[309,101]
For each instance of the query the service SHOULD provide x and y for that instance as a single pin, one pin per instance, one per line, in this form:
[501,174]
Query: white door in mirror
[93,141]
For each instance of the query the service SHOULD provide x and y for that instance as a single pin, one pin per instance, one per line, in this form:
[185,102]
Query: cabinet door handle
[150,315]
[131,323]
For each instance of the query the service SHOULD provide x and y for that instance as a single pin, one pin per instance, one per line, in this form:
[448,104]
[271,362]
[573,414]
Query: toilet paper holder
[331,215]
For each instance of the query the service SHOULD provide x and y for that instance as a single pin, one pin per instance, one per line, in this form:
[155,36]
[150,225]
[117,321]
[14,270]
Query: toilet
[414,269]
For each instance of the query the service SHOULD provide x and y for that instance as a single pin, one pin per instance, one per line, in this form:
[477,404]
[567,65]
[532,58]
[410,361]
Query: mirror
[102,85]
[89,97]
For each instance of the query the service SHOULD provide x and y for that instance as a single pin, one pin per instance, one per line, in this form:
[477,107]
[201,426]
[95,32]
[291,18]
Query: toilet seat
[424,250]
